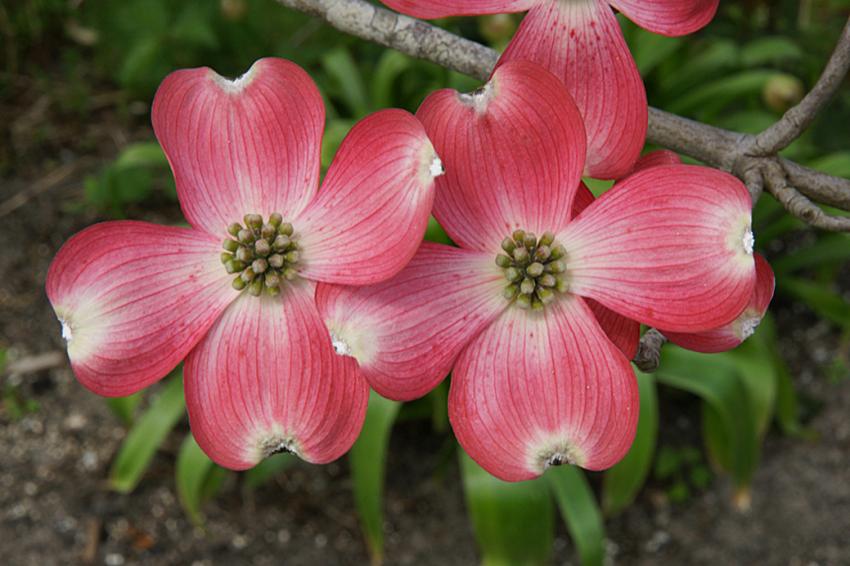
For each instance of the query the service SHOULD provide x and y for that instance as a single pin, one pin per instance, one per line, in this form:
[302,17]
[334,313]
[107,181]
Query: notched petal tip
[436,168]
[271,445]
[237,85]
[349,341]
[479,98]
[555,451]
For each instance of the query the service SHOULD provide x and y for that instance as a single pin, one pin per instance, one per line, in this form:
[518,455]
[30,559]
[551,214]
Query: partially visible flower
[535,380]
[732,334]
[720,339]
[580,41]
[233,294]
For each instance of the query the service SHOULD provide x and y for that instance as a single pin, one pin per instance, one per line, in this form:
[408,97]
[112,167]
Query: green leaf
[837,163]
[786,406]
[580,512]
[390,66]
[767,50]
[192,472]
[267,469]
[347,80]
[729,421]
[650,49]
[435,232]
[142,154]
[368,459]
[125,407]
[334,134]
[823,301]
[754,363]
[513,522]
[714,95]
[831,249]
[145,437]
[621,484]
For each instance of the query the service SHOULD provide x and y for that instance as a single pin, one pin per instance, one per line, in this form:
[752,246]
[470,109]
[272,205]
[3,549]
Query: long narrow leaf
[580,512]
[734,441]
[147,434]
[622,483]
[125,407]
[368,459]
[267,469]
[513,522]
[192,473]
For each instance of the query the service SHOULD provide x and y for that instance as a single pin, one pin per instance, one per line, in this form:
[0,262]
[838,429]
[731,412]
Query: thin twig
[731,151]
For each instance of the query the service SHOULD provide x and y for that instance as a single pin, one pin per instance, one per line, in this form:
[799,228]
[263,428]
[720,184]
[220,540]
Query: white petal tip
[748,325]
[554,451]
[271,445]
[341,347]
[436,168]
[748,241]
[67,332]
[478,98]
[237,85]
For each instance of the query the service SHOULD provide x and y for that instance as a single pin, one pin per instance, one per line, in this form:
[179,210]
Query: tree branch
[750,157]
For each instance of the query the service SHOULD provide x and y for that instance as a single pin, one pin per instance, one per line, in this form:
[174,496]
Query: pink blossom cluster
[290,296]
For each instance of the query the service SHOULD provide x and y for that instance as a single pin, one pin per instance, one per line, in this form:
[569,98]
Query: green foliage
[622,483]
[197,478]
[513,522]
[580,512]
[147,435]
[268,469]
[729,422]
[130,179]
[125,407]
[368,459]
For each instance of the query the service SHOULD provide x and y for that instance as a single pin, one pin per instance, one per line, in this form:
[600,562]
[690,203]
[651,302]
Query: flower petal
[513,152]
[656,158]
[537,389]
[623,332]
[430,9]
[133,299]
[731,335]
[669,17]
[372,210]
[245,146]
[670,246]
[582,44]
[407,332]
[266,379]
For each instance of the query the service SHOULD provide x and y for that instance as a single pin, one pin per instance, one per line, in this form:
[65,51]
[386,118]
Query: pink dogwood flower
[535,380]
[580,41]
[234,294]
[626,333]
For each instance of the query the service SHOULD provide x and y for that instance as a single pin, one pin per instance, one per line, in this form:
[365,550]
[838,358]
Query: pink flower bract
[543,385]
[261,374]
[580,41]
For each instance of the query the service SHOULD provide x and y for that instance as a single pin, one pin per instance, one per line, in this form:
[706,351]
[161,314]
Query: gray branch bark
[751,157]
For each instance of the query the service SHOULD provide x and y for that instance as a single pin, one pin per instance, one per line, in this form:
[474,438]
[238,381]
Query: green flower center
[262,254]
[534,268]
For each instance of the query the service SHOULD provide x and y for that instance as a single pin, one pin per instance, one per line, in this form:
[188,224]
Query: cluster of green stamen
[534,267]
[262,254]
